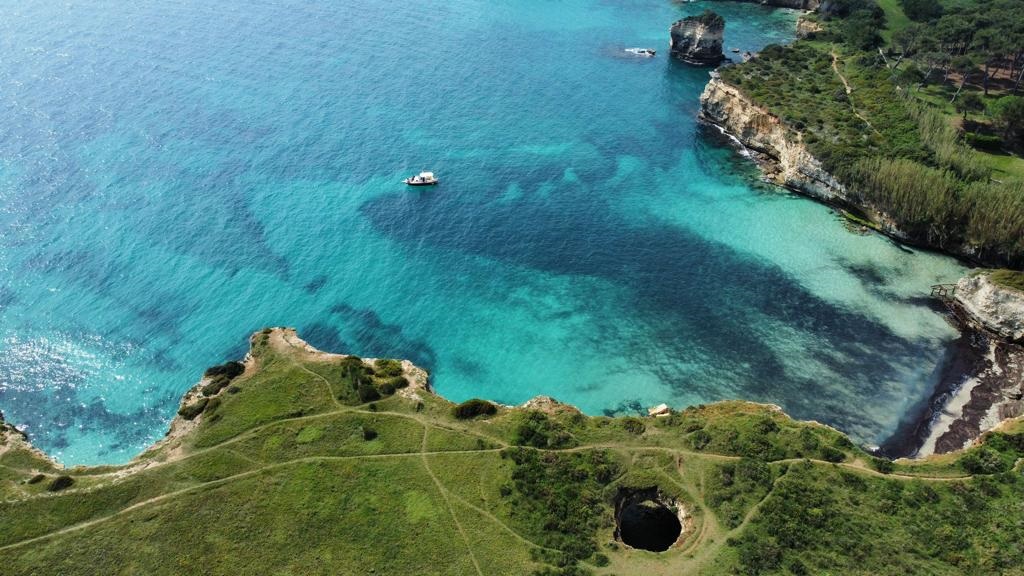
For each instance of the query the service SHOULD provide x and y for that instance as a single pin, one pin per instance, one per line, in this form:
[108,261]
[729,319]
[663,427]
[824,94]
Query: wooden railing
[944,292]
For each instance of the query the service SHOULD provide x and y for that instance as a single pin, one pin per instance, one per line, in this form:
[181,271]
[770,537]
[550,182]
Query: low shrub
[830,454]
[700,439]
[634,426]
[211,406]
[59,483]
[388,367]
[369,433]
[983,461]
[539,431]
[474,407]
[883,465]
[983,141]
[36,479]
[215,385]
[367,393]
[228,369]
[190,411]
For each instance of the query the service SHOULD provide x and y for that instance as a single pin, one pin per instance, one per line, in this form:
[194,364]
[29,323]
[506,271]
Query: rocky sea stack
[698,39]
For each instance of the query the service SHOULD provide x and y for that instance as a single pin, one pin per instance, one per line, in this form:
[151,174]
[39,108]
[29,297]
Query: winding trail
[447,500]
[849,91]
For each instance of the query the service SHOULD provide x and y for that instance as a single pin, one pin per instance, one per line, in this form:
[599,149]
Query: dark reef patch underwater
[165,194]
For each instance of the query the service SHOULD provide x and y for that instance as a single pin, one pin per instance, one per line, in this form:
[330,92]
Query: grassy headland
[292,473]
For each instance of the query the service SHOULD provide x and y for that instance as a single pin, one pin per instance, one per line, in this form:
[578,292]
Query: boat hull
[434,183]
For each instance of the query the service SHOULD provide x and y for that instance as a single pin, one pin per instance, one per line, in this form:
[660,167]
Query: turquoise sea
[176,175]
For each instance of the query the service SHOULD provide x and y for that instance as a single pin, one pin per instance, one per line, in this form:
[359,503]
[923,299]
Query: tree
[1008,113]
[860,30]
[922,10]
[909,76]
[990,46]
[969,102]
[964,65]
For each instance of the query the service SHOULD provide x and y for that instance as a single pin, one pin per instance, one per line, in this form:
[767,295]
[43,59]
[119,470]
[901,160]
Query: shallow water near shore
[174,176]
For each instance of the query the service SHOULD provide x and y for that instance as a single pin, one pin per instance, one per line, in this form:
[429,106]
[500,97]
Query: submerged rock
[698,39]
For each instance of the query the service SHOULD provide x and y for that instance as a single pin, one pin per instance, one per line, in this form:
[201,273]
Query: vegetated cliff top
[918,132]
[708,18]
[313,463]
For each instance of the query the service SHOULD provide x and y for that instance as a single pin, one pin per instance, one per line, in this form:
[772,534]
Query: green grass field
[895,19]
[283,478]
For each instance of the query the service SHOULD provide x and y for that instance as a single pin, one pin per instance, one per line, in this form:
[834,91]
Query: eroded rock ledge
[778,150]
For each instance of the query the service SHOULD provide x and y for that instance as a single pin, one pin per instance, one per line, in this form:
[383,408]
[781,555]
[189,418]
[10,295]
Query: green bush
[387,367]
[215,385]
[228,369]
[60,483]
[36,479]
[474,407]
[220,376]
[369,433]
[830,454]
[560,496]
[700,439]
[367,393]
[634,426]
[190,411]
[883,465]
[983,460]
[211,406]
[537,430]
[983,141]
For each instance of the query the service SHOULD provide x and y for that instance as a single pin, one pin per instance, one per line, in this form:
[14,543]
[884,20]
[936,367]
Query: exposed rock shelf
[996,308]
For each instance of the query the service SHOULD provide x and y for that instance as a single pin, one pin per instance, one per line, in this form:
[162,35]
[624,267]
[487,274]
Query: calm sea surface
[176,175]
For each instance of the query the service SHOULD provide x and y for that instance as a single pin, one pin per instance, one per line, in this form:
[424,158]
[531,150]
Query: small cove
[175,177]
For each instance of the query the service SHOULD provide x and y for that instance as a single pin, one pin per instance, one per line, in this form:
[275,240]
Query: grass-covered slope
[291,472]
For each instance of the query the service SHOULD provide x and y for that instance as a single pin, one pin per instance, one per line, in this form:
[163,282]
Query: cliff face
[795,4]
[698,39]
[798,4]
[781,151]
[999,310]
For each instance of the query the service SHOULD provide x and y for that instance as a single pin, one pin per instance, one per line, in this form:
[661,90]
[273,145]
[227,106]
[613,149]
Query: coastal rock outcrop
[807,28]
[779,150]
[698,39]
[998,309]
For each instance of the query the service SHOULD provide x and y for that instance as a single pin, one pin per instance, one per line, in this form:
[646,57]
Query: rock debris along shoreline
[991,318]
[982,378]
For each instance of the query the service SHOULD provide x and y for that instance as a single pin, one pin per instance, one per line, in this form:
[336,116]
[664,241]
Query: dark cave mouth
[646,520]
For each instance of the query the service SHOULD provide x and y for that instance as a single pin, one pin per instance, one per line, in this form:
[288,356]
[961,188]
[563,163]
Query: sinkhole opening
[646,520]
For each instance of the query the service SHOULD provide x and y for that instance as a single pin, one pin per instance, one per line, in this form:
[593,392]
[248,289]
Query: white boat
[422,179]
[645,52]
